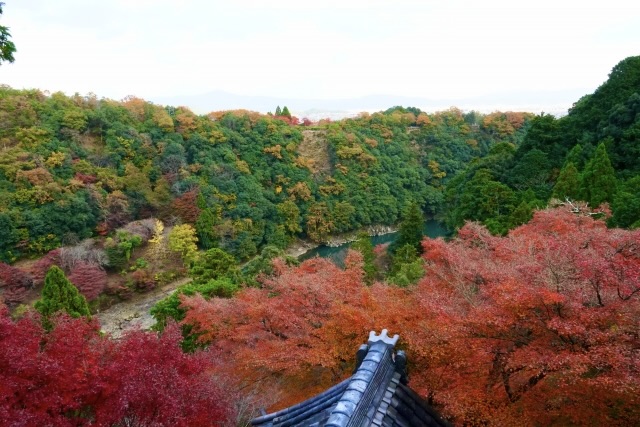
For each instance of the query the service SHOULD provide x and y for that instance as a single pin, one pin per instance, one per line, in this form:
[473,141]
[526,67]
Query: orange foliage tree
[186,207]
[540,326]
[301,328]
[537,328]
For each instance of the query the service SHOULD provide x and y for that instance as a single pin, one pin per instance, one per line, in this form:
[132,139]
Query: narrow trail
[134,313]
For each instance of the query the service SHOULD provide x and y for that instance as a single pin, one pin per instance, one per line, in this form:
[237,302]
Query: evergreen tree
[626,205]
[204,226]
[212,265]
[521,214]
[365,247]
[411,227]
[575,156]
[568,183]
[278,111]
[285,112]
[206,220]
[277,236]
[598,184]
[406,267]
[59,294]
[531,171]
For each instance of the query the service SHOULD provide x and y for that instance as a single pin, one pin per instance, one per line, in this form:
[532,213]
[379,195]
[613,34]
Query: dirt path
[134,313]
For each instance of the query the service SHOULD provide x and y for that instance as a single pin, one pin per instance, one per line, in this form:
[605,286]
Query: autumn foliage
[39,268]
[14,283]
[185,206]
[299,327]
[90,279]
[536,328]
[73,376]
[544,318]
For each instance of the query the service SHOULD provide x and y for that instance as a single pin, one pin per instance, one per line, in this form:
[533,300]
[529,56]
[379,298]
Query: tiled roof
[375,395]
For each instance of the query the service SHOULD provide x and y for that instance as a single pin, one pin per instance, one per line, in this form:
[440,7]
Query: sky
[329,49]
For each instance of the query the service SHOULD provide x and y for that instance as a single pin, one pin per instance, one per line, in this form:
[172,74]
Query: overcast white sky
[317,49]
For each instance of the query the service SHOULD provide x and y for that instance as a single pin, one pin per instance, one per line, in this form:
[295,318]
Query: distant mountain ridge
[553,102]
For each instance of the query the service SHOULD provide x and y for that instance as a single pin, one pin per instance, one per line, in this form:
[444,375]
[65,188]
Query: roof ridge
[375,395]
[363,391]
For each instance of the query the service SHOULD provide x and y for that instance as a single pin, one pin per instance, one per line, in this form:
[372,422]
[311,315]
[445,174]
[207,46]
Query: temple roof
[375,395]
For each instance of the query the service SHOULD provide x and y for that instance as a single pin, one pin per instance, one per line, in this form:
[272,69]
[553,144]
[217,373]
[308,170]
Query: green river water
[432,229]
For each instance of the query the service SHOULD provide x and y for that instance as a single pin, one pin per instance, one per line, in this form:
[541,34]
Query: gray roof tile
[374,395]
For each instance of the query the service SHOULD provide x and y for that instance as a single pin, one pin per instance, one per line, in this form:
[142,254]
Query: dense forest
[244,180]
[592,154]
[533,304]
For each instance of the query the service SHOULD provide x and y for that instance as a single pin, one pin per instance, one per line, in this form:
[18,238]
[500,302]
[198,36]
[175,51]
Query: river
[336,254]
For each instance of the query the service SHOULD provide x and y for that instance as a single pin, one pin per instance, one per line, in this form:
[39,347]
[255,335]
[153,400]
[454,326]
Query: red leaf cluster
[90,279]
[143,280]
[543,318]
[186,207]
[40,268]
[15,284]
[302,326]
[73,376]
[86,178]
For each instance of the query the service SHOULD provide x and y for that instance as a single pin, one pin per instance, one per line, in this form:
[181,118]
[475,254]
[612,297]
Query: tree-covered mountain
[592,155]
[75,167]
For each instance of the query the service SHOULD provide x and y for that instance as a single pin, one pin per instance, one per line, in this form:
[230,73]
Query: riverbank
[300,247]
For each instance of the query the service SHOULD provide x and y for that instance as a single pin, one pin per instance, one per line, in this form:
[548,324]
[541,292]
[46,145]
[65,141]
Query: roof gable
[375,395]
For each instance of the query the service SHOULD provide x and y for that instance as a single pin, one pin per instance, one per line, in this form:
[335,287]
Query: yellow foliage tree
[182,239]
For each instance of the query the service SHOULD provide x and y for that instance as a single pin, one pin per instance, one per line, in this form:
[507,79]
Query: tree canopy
[7,47]
[583,156]
[73,376]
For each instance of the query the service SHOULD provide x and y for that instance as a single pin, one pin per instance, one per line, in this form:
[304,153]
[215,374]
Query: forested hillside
[592,155]
[76,167]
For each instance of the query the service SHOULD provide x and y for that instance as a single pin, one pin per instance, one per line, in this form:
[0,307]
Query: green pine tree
[59,294]
[568,183]
[626,204]
[521,214]
[278,111]
[205,223]
[575,156]
[285,112]
[205,231]
[365,247]
[212,265]
[411,227]
[598,184]
[407,267]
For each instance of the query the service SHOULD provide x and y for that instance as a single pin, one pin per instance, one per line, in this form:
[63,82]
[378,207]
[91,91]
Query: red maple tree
[73,376]
[545,318]
[300,327]
[39,269]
